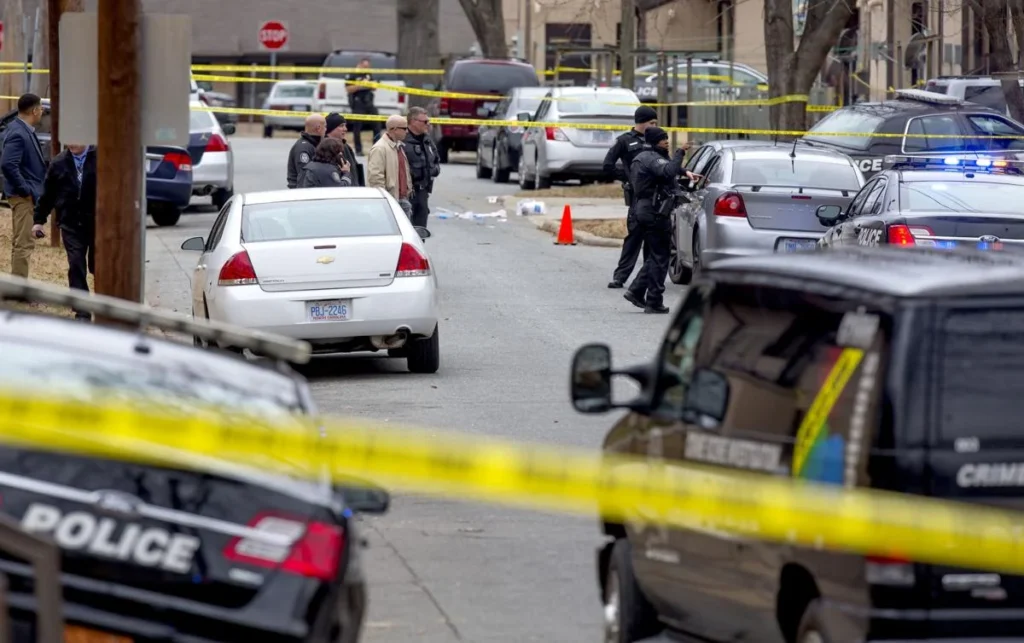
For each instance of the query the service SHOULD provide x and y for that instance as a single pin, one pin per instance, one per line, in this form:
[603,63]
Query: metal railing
[753,117]
[43,554]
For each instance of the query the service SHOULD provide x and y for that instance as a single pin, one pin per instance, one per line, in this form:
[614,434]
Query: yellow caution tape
[293,69]
[814,422]
[24,71]
[540,477]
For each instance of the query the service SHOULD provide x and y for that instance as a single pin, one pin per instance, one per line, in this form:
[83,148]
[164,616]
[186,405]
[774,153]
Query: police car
[157,553]
[868,132]
[942,202]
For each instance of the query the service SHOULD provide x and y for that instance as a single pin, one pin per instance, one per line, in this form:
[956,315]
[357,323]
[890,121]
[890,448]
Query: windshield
[598,103]
[527,105]
[962,196]
[294,91]
[853,121]
[808,173]
[378,63]
[483,78]
[321,219]
[199,121]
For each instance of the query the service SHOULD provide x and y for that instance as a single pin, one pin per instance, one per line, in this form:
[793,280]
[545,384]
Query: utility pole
[56,9]
[527,43]
[119,150]
[12,84]
[627,42]
[39,83]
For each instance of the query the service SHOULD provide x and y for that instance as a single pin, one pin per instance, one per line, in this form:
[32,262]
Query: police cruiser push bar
[274,346]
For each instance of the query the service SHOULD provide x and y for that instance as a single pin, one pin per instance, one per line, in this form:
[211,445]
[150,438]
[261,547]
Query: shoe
[615,284]
[655,310]
[633,299]
[84,318]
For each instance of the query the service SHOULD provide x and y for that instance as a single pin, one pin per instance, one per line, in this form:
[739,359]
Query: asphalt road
[514,309]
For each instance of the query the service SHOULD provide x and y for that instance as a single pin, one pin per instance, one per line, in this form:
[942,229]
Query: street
[514,308]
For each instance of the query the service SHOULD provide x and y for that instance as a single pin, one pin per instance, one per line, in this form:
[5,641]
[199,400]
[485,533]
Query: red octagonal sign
[273,35]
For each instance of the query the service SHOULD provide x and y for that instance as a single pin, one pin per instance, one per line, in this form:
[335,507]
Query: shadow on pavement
[363,365]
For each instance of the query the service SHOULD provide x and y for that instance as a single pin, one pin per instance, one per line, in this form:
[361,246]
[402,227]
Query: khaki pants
[22,242]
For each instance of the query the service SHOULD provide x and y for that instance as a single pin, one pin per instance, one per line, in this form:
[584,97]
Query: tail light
[401,99]
[903,235]
[314,553]
[216,144]
[237,271]
[179,160]
[321,91]
[889,570]
[443,107]
[555,134]
[204,99]
[730,204]
[411,263]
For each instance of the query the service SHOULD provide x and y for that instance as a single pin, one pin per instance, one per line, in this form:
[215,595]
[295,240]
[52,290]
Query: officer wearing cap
[656,193]
[616,166]
[336,128]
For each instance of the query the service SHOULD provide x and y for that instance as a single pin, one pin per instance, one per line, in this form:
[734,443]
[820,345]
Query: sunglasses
[399,127]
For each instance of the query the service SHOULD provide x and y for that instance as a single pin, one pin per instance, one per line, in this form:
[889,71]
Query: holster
[627,194]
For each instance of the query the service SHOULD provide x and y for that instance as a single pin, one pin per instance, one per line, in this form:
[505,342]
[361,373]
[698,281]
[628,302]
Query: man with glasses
[388,166]
[24,171]
[424,164]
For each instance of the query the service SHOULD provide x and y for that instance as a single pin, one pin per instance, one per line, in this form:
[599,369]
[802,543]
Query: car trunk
[302,103]
[951,230]
[158,163]
[197,142]
[343,262]
[172,532]
[790,208]
[472,107]
[593,137]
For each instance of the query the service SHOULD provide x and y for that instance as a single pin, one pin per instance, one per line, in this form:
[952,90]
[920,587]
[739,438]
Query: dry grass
[595,191]
[607,228]
[48,264]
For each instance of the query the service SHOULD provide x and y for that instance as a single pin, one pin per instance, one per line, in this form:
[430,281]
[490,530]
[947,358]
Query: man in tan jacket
[388,166]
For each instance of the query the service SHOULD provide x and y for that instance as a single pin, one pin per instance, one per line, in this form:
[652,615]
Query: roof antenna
[792,152]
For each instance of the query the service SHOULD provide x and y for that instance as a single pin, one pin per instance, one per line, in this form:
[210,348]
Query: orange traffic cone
[566,237]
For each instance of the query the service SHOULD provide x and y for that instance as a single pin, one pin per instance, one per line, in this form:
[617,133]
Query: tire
[677,272]
[540,182]
[196,341]
[499,173]
[424,355]
[442,152]
[481,171]
[397,352]
[698,264]
[166,216]
[268,131]
[628,615]
[812,627]
[524,183]
[221,196]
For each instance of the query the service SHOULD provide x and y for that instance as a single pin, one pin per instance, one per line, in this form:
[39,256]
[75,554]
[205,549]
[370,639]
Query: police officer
[360,99]
[304,148]
[616,166]
[656,192]
[424,163]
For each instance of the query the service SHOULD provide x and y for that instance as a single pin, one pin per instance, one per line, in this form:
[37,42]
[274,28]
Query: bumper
[459,137]
[733,237]
[213,172]
[561,158]
[409,302]
[176,192]
[289,122]
[386,109]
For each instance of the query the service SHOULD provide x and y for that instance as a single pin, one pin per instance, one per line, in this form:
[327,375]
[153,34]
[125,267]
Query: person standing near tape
[304,148]
[360,99]
[424,164]
[24,170]
[336,128]
[387,165]
[616,166]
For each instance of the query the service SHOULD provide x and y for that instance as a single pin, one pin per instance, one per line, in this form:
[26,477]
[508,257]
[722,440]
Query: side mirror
[365,500]
[229,128]
[423,232]
[707,398]
[591,381]
[828,215]
[524,117]
[195,243]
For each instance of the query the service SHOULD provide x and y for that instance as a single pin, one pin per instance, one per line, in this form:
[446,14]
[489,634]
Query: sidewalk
[583,210]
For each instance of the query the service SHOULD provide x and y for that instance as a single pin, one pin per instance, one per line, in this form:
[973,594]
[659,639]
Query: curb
[582,238]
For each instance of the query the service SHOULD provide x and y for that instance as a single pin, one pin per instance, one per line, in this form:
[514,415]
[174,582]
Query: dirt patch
[48,264]
[607,228]
[595,191]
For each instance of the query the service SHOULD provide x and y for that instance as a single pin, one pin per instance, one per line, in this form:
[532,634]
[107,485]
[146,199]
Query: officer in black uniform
[656,193]
[616,166]
[304,148]
[424,163]
[360,99]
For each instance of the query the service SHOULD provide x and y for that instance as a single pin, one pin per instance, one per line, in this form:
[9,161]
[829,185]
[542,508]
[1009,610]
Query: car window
[857,205]
[379,63]
[542,110]
[808,172]
[873,202]
[609,104]
[527,104]
[678,353]
[991,125]
[698,157]
[944,127]
[484,78]
[217,231]
[501,109]
[859,124]
[294,91]
[714,172]
[739,76]
[990,96]
[320,219]
[199,121]
[961,196]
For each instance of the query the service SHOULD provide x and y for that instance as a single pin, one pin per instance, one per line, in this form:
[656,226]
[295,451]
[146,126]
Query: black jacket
[652,173]
[350,156]
[74,203]
[626,148]
[424,161]
[324,175]
[21,161]
[302,153]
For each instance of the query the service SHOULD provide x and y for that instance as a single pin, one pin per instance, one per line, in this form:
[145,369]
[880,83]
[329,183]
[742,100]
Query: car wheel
[677,272]
[197,341]
[524,183]
[540,182]
[268,131]
[424,355]
[499,173]
[481,171]
[442,153]
[628,615]
[221,196]
[166,215]
[812,627]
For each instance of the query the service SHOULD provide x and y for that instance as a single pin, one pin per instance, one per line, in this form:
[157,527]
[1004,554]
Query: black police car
[148,553]
[933,343]
[877,130]
[942,202]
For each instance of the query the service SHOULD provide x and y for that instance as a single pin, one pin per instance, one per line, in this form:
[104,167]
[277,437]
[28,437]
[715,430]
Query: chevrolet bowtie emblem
[325,259]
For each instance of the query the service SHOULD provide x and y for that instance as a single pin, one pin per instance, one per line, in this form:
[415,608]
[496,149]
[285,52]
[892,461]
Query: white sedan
[341,268]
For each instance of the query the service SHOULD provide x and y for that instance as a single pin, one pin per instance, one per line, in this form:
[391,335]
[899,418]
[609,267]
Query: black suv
[930,407]
[877,130]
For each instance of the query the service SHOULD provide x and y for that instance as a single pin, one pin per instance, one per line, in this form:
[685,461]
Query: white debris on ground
[526,207]
[530,207]
[479,217]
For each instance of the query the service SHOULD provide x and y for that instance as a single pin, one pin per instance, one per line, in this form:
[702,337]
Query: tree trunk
[418,44]
[39,84]
[995,14]
[792,71]
[12,84]
[485,17]
[1017,18]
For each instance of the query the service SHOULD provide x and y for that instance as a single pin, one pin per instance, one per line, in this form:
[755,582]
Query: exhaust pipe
[207,190]
[384,342]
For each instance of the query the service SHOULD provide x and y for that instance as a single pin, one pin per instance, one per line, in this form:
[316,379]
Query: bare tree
[419,46]
[12,84]
[39,84]
[792,70]
[1017,18]
[485,17]
[995,16]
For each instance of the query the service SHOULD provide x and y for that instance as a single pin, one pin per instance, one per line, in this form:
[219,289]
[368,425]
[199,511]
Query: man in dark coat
[302,151]
[24,170]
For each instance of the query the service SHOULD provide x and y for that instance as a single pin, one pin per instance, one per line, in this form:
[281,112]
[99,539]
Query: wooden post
[119,150]
[55,9]
[627,43]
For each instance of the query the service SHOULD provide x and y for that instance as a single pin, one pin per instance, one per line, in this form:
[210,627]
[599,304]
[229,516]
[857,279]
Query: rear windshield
[988,95]
[491,77]
[959,196]
[843,121]
[321,219]
[598,104]
[199,120]
[795,172]
[936,88]
[294,91]
[350,60]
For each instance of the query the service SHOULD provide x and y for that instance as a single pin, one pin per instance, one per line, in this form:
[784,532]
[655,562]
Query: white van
[331,92]
[981,90]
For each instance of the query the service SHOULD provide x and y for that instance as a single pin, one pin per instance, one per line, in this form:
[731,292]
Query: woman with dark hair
[328,168]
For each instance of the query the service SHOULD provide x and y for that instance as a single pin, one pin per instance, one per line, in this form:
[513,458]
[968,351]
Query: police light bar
[273,346]
[952,162]
[922,96]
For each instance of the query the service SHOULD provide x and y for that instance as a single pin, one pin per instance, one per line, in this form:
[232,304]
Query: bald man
[388,166]
[303,149]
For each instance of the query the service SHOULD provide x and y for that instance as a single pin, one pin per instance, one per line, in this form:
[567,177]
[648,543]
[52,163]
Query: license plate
[796,245]
[329,311]
[601,136]
[75,634]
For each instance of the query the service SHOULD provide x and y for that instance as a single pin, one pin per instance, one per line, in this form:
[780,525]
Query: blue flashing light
[951,160]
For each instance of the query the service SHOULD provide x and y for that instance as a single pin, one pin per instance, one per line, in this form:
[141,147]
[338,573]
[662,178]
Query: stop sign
[1,35]
[273,35]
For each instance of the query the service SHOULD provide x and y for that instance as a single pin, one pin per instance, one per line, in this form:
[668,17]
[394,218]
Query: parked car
[213,161]
[986,91]
[499,146]
[481,77]
[341,268]
[168,172]
[333,96]
[566,153]
[212,98]
[706,73]
[292,96]
[756,197]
